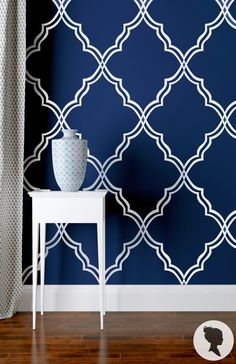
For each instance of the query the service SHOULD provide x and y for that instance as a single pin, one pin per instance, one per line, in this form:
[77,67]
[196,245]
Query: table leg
[42,261]
[101,270]
[35,233]
[104,263]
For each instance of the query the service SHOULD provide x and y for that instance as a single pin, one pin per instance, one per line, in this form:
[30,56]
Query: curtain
[12,98]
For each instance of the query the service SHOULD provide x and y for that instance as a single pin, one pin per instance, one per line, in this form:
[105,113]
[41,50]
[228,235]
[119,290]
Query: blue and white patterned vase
[69,158]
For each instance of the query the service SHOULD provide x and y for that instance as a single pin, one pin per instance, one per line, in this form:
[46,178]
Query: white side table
[67,207]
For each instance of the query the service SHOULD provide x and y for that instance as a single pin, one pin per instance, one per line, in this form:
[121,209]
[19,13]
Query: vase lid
[69,132]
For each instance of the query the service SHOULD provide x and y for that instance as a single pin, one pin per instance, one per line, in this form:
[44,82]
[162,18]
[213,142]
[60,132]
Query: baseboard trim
[135,298]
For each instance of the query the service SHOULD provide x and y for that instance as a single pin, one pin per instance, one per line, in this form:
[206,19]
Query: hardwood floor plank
[128,338]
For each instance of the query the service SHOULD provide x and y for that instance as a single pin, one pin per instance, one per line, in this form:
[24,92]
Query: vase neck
[69,133]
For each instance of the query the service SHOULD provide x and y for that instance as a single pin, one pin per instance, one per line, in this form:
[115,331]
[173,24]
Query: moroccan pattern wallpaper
[151,84]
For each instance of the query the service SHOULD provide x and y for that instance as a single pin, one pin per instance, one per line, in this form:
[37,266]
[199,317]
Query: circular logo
[213,340]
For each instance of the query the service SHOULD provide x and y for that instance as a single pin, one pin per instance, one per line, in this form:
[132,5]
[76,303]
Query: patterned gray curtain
[12,98]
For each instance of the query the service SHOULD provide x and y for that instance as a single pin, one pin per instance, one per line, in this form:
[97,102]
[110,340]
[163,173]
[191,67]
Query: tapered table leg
[35,239]
[104,260]
[101,271]
[42,260]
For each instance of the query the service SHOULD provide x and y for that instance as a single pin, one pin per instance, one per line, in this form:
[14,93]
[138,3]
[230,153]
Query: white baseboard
[135,298]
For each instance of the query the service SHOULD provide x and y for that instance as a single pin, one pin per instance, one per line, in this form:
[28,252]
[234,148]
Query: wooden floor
[128,338]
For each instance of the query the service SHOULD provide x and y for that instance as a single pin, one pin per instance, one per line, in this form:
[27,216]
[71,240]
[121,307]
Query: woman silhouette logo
[215,337]
[213,340]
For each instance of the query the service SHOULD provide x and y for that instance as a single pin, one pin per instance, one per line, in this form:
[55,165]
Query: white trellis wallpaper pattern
[151,85]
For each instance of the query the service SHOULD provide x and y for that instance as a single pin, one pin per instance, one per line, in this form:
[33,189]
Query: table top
[79,194]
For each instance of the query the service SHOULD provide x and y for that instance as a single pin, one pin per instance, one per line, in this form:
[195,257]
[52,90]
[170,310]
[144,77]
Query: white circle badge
[213,340]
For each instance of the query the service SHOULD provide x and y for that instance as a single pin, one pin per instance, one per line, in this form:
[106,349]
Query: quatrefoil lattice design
[150,103]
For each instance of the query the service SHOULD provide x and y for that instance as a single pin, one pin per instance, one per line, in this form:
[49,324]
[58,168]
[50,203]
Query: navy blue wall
[152,86]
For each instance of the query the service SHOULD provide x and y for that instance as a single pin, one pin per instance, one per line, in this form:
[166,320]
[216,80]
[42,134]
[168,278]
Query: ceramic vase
[69,158]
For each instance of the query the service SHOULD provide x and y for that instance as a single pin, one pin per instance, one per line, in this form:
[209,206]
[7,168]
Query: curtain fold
[12,100]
